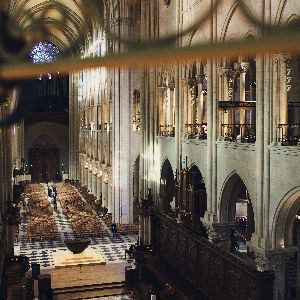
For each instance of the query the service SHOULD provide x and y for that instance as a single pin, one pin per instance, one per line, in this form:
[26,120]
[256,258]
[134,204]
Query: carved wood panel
[215,273]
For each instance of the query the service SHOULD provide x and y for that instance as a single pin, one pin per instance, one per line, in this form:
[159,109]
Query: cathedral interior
[149,149]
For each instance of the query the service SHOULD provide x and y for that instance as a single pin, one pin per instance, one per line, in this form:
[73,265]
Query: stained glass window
[44,52]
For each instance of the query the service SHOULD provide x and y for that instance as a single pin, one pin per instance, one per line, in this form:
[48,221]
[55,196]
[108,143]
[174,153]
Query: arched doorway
[198,196]
[136,183]
[191,198]
[286,235]
[44,160]
[167,188]
[236,207]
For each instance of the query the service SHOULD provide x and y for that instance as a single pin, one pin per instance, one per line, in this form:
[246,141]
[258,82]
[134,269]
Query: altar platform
[65,259]
[86,275]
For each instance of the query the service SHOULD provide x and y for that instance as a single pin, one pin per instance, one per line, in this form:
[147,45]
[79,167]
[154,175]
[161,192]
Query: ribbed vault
[64,21]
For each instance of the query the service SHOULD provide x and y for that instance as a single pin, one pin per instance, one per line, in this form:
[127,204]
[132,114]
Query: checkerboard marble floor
[42,252]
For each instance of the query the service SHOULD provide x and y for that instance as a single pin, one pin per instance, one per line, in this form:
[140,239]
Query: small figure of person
[114,229]
[26,200]
[234,245]
[54,202]
[129,251]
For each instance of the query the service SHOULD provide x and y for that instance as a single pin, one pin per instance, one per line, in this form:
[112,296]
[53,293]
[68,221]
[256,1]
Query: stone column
[90,178]
[228,115]
[244,69]
[266,243]
[109,196]
[283,105]
[276,261]
[200,99]
[275,97]
[105,191]
[171,110]
[86,176]
[185,105]
[99,185]
[122,124]
[94,183]
[74,125]
[259,151]
[215,127]
[209,136]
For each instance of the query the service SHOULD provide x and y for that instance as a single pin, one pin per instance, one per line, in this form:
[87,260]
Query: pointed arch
[228,18]
[235,191]
[283,222]
[167,186]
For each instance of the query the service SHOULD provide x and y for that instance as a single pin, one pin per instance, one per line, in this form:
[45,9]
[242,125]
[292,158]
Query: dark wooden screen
[44,164]
[217,274]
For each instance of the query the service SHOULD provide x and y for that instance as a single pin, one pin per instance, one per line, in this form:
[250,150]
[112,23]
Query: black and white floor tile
[42,252]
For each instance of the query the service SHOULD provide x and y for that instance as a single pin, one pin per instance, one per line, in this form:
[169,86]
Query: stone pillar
[209,136]
[94,183]
[266,243]
[227,116]
[244,69]
[275,97]
[105,191]
[109,197]
[283,105]
[259,151]
[275,261]
[200,99]
[122,124]
[99,186]
[171,110]
[215,127]
[74,126]
[185,105]
[89,179]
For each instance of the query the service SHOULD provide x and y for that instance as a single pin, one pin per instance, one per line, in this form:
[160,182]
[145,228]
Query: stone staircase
[82,292]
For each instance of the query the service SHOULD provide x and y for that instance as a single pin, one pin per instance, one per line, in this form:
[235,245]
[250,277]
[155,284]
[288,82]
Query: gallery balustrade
[167,130]
[243,133]
[289,134]
[196,131]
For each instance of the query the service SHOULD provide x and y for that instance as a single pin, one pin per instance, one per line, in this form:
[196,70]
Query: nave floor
[42,252]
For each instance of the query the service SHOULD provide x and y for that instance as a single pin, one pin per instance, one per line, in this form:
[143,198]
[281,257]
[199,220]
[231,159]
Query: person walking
[114,229]
[55,202]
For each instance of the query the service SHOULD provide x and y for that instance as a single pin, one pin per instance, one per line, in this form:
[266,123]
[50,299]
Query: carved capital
[226,72]
[245,66]
[200,78]
[285,58]
[219,233]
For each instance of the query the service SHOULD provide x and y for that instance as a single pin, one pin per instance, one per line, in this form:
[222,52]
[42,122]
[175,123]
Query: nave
[41,249]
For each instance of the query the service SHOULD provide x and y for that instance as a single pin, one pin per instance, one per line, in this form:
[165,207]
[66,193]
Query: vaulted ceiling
[60,21]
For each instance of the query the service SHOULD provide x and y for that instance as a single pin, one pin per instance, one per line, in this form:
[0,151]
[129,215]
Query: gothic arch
[228,19]
[191,36]
[279,12]
[282,227]
[232,191]
[199,190]
[293,19]
[167,186]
